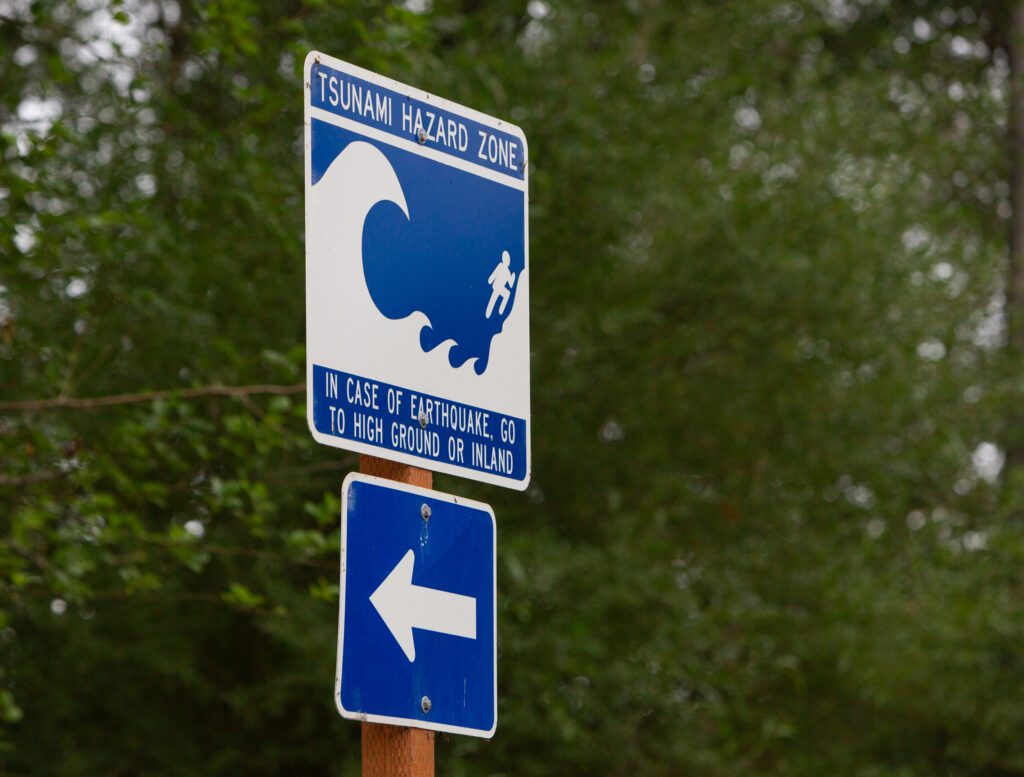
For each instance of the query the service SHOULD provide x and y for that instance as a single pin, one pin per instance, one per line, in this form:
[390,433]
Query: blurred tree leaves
[767,532]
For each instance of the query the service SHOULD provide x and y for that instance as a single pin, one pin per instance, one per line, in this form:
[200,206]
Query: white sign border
[309,112]
[358,477]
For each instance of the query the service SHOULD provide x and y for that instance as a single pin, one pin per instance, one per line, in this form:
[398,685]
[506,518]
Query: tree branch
[90,403]
[35,477]
[229,550]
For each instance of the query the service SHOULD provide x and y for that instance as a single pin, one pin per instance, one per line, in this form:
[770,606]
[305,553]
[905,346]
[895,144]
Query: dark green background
[768,532]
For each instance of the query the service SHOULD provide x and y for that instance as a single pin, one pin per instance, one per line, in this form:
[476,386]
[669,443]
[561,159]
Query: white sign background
[344,329]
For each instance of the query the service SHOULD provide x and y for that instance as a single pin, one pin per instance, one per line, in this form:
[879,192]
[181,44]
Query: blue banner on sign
[385,109]
[417,635]
[395,418]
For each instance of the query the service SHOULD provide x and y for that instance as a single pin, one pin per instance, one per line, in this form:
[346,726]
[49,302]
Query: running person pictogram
[502,280]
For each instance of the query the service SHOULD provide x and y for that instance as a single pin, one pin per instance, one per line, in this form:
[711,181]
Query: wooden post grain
[396,751]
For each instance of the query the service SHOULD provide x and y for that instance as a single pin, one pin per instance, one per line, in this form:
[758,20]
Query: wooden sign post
[396,751]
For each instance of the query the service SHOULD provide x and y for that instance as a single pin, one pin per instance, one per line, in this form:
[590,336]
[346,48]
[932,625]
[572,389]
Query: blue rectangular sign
[417,623]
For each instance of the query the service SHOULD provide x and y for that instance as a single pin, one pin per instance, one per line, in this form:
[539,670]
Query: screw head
[423,419]
[425,512]
[425,704]
[421,136]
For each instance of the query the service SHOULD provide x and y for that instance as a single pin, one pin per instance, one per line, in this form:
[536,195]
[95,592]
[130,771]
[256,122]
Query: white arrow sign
[404,607]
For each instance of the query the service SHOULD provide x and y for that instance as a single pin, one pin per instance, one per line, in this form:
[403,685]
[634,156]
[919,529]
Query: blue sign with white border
[417,621]
[417,277]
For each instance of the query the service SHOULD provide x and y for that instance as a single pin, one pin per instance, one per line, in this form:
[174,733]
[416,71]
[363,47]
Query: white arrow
[405,607]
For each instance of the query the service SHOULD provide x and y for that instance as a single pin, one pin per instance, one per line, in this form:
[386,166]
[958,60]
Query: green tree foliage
[767,531]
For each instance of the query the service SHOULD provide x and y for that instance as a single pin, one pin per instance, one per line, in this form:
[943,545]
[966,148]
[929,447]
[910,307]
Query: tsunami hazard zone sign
[417,277]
